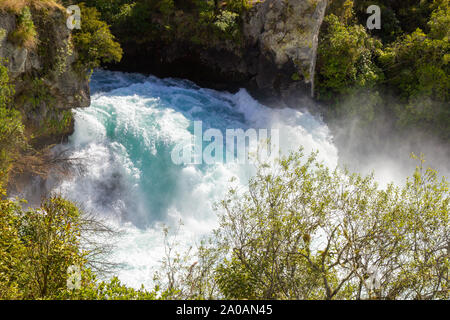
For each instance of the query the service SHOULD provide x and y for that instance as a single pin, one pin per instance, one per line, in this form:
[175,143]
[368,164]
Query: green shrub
[418,71]
[46,242]
[37,247]
[303,231]
[226,21]
[52,245]
[12,139]
[346,58]
[25,34]
[94,42]
[398,16]
[93,289]
[201,22]
[12,249]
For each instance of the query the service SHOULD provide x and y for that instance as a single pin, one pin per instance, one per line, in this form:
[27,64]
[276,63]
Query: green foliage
[362,106]
[226,21]
[302,231]
[405,80]
[25,33]
[57,122]
[12,139]
[346,59]
[417,66]
[92,289]
[418,70]
[2,34]
[36,95]
[94,42]
[51,235]
[37,247]
[12,250]
[45,243]
[398,16]
[200,22]
[60,63]
[6,88]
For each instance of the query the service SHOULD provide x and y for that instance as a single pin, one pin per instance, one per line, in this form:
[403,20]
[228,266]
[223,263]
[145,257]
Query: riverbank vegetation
[200,22]
[398,74]
[303,231]
[32,115]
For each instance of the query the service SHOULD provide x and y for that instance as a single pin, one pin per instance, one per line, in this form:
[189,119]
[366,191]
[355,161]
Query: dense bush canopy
[303,231]
[404,65]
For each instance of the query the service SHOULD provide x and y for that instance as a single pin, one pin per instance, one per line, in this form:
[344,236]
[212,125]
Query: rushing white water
[125,139]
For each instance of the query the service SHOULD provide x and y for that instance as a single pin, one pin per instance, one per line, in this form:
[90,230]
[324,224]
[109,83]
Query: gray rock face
[47,86]
[275,60]
[52,62]
[286,33]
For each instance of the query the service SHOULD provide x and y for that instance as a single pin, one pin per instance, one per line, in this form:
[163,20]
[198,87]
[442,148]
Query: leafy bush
[93,289]
[346,59]
[226,21]
[16,6]
[303,231]
[201,22]
[12,250]
[398,16]
[418,70]
[12,139]
[406,80]
[46,243]
[25,33]
[94,42]
[37,247]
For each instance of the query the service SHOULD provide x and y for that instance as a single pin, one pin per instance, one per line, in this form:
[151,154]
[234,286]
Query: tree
[302,231]
[37,247]
[93,289]
[12,250]
[12,139]
[418,71]
[346,57]
[94,42]
[51,235]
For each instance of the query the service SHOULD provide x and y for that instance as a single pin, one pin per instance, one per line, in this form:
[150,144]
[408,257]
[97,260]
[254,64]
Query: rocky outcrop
[46,84]
[286,35]
[275,60]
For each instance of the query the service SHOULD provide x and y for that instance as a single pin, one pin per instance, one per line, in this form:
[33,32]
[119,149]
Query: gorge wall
[274,59]
[36,47]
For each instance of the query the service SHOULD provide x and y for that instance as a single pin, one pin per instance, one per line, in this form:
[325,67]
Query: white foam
[125,138]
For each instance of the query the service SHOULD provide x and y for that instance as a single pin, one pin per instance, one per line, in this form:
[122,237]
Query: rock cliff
[286,35]
[275,60]
[47,86]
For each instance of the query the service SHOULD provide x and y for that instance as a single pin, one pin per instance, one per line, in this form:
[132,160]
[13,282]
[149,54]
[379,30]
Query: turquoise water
[125,174]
